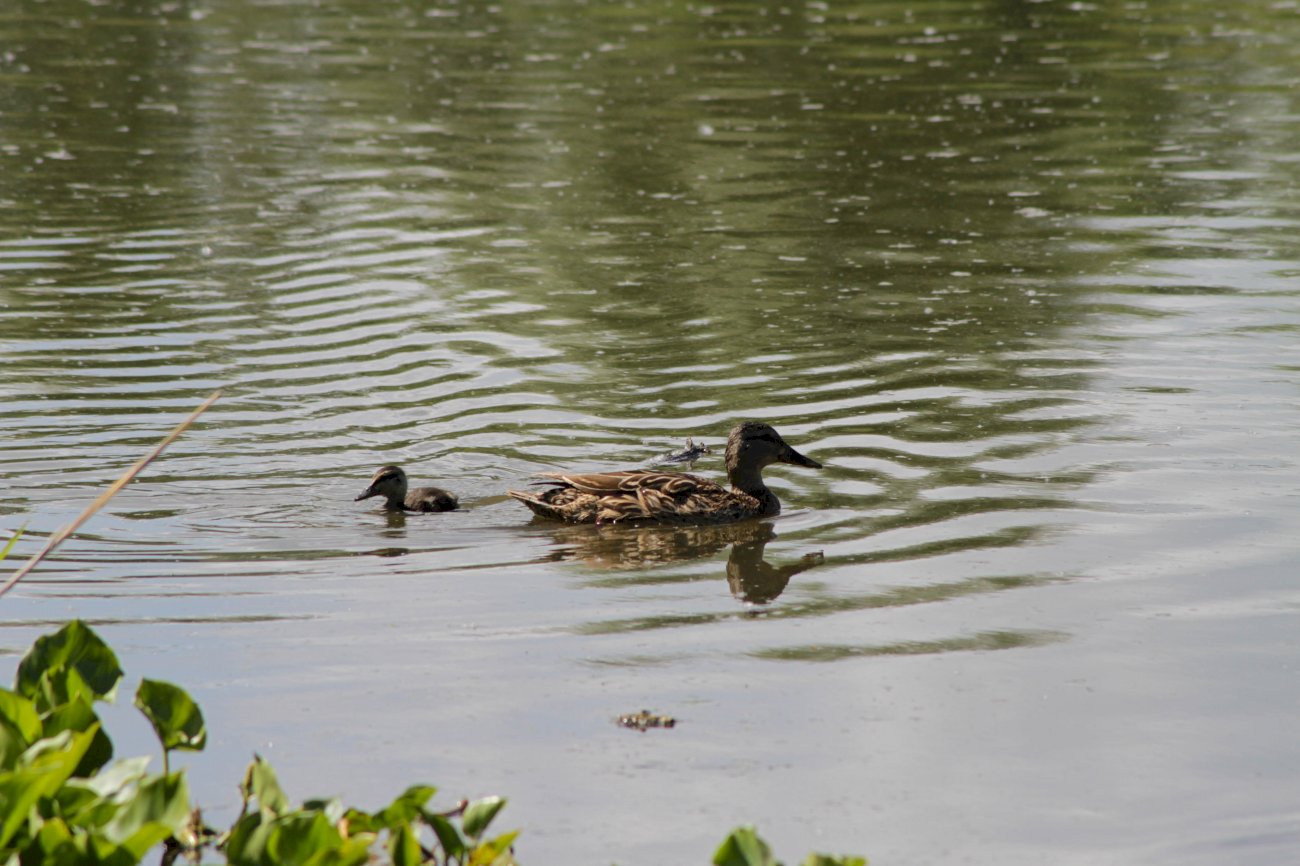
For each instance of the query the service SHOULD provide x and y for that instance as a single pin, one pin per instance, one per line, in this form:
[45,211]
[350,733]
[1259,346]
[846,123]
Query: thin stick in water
[59,537]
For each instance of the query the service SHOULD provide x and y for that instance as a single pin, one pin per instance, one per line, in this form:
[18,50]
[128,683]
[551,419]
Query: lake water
[1025,278]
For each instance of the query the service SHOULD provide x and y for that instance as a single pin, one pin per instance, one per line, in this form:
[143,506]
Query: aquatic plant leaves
[449,837]
[479,814]
[408,806]
[300,838]
[828,860]
[404,846]
[261,783]
[76,715]
[176,719]
[743,847]
[73,653]
[62,804]
[20,726]
[41,770]
[159,807]
[494,852]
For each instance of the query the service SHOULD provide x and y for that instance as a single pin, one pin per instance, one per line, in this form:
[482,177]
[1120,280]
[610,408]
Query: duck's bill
[794,458]
[370,491]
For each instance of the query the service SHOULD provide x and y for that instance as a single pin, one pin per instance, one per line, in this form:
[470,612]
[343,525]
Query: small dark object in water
[645,720]
[689,454]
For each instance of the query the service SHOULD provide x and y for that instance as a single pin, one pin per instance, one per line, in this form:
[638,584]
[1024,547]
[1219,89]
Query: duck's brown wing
[631,482]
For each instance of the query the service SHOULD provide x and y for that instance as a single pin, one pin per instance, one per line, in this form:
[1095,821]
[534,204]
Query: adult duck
[647,496]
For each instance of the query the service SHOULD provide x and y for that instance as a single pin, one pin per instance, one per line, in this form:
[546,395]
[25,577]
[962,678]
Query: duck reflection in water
[749,576]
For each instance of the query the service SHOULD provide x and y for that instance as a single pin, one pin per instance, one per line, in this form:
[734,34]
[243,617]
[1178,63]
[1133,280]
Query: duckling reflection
[749,576]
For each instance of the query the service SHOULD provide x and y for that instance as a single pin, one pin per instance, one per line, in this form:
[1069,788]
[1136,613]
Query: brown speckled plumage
[666,497]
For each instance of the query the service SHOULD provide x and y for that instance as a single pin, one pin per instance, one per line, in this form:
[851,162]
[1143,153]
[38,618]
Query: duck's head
[753,445]
[389,482]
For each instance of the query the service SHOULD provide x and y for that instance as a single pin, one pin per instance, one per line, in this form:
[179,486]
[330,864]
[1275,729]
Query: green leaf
[20,726]
[75,647]
[479,814]
[77,715]
[159,807]
[246,841]
[404,846]
[494,851]
[95,801]
[361,822]
[44,767]
[744,848]
[260,782]
[449,837]
[109,782]
[21,713]
[333,808]
[408,806]
[828,860]
[175,717]
[13,539]
[297,837]
[58,846]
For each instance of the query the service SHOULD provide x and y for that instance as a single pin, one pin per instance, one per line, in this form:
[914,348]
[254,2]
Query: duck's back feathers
[431,499]
[636,496]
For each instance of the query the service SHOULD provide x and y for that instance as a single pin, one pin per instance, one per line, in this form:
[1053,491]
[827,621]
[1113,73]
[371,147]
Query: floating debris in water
[689,454]
[645,720]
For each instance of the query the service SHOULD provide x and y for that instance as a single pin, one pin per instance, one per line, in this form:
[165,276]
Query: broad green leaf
[828,860]
[175,717]
[20,726]
[59,686]
[260,782]
[361,822]
[495,852]
[299,837]
[404,846]
[21,713]
[449,837]
[352,852]
[246,841]
[75,647]
[42,769]
[744,848]
[125,772]
[407,807]
[76,716]
[12,743]
[333,808]
[95,801]
[60,845]
[479,814]
[159,807]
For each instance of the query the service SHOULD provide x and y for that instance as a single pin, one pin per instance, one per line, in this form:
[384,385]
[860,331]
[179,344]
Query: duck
[647,496]
[390,483]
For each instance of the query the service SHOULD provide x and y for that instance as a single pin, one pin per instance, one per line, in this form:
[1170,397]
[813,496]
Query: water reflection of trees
[750,577]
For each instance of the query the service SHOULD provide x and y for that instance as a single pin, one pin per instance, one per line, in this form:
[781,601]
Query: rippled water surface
[1024,277]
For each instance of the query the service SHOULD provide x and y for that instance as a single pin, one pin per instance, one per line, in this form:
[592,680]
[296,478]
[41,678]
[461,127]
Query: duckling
[390,483]
[666,497]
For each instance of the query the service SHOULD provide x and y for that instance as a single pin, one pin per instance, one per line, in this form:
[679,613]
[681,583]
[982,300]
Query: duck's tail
[539,506]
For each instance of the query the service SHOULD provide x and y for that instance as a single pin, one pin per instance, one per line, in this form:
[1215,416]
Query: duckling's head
[389,482]
[753,445]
